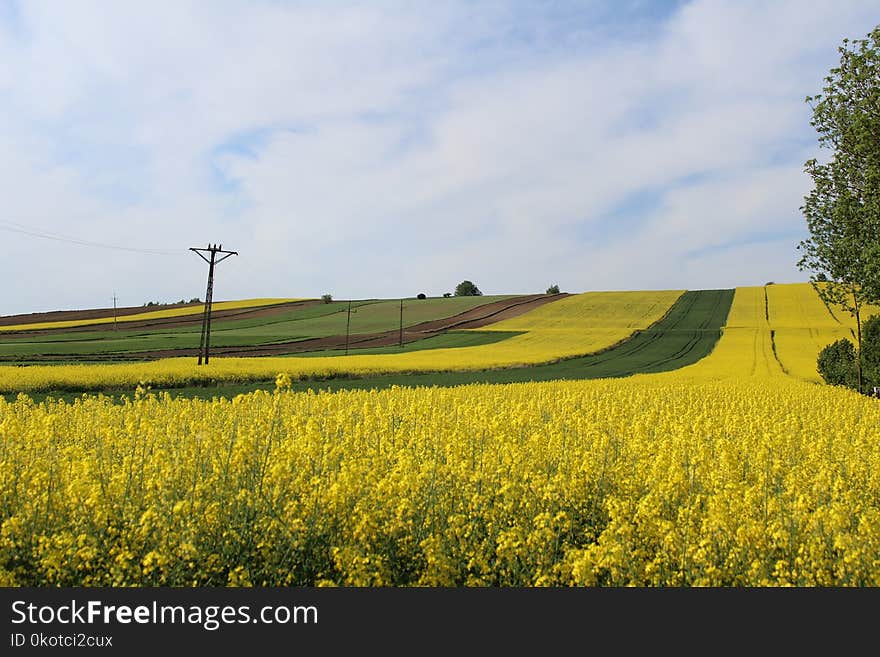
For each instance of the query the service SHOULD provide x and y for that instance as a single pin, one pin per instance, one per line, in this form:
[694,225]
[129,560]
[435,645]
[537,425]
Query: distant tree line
[150,304]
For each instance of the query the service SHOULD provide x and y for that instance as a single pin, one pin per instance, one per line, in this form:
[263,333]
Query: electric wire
[24,230]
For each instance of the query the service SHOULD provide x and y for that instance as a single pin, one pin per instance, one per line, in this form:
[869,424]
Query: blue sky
[384,149]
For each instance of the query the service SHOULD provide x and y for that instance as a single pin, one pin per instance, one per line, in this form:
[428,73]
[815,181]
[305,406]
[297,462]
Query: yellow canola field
[606,311]
[151,314]
[652,481]
[803,326]
[788,343]
[596,320]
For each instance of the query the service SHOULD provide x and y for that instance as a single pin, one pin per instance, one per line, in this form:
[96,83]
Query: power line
[24,230]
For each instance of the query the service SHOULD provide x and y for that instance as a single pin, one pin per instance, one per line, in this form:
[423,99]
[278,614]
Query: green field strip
[319,313]
[316,321]
[377,317]
[218,324]
[448,340]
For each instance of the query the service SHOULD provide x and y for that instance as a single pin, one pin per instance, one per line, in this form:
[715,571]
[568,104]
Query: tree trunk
[859,342]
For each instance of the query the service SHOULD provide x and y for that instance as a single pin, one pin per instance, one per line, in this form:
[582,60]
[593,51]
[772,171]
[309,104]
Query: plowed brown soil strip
[160,322]
[77,315]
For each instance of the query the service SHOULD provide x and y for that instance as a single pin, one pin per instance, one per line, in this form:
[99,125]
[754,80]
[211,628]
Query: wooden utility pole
[347,327]
[401,322]
[114,311]
[205,340]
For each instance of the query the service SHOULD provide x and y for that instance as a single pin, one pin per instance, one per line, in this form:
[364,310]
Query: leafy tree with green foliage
[553,289]
[871,351]
[326,298]
[837,364]
[467,289]
[843,208]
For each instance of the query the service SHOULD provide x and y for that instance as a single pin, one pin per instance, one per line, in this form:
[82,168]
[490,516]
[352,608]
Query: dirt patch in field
[76,315]
[478,317]
[161,322]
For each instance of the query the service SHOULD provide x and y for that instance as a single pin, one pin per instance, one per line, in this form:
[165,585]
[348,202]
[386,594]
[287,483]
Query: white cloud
[380,150]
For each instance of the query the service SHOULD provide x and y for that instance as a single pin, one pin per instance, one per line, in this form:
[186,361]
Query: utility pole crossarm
[196,251]
[213,250]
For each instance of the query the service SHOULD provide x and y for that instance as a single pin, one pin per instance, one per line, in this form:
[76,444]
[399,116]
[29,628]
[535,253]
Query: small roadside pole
[347,326]
[205,341]
[401,323]
[114,311]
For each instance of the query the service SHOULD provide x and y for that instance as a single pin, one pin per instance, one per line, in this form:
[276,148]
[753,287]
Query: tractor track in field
[669,330]
[674,340]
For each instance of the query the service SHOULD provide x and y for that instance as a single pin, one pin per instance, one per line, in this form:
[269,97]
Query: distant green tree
[326,298]
[837,364]
[446,295]
[467,289]
[421,295]
[553,289]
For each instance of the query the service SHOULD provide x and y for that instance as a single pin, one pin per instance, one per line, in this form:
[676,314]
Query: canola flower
[599,483]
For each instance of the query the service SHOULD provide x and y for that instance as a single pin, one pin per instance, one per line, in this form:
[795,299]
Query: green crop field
[472,338]
[312,321]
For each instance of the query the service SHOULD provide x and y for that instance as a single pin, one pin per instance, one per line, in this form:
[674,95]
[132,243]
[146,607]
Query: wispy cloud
[384,149]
